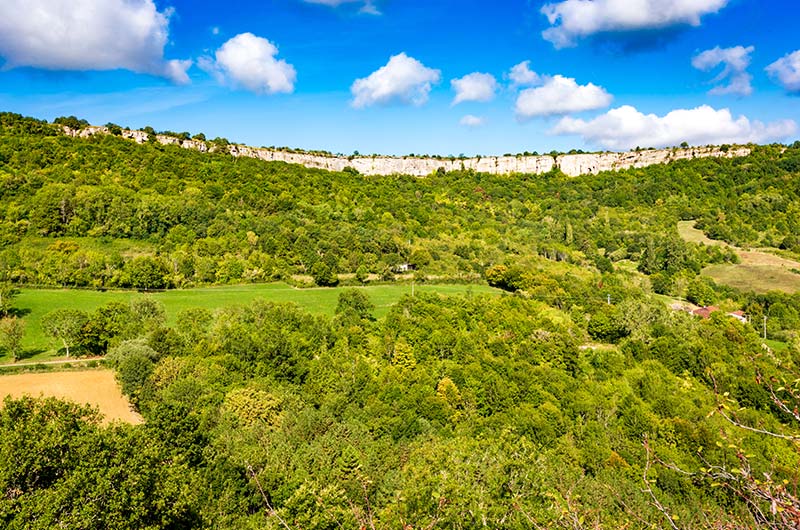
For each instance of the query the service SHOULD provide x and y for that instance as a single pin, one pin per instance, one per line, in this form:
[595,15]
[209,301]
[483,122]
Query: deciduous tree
[65,325]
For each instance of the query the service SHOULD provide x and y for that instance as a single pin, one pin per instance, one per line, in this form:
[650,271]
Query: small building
[405,267]
[740,316]
[705,312]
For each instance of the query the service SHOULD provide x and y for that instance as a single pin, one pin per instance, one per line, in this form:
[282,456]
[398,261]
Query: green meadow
[34,303]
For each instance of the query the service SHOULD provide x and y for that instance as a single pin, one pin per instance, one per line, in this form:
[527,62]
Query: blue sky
[378,76]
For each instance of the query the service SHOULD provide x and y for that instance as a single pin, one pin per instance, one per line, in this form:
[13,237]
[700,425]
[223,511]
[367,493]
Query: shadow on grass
[23,356]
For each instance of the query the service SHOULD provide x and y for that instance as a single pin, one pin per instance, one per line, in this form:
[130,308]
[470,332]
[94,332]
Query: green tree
[403,355]
[7,295]
[71,121]
[148,312]
[700,292]
[607,325]
[109,323]
[324,275]
[65,325]
[193,324]
[355,302]
[249,407]
[133,370]
[362,273]
[146,273]
[12,331]
[61,469]
[114,129]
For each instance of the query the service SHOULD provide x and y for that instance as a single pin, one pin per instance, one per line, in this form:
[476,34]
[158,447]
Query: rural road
[62,361]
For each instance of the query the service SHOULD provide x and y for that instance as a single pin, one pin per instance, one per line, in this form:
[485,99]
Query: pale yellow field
[688,232]
[91,387]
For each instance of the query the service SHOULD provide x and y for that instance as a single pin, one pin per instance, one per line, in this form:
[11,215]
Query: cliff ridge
[570,164]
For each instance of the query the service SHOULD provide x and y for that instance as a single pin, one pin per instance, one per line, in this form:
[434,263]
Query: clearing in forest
[758,271]
[98,388]
[691,234]
[35,303]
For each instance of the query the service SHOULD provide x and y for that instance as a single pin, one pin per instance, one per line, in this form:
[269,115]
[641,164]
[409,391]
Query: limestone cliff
[572,165]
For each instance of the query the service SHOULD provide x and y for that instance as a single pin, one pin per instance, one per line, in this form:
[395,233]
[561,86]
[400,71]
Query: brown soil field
[98,388]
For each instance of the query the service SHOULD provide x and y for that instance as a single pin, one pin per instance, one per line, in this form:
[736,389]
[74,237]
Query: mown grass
[34,303]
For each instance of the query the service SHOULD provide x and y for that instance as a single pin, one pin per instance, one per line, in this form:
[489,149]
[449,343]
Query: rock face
[572,165]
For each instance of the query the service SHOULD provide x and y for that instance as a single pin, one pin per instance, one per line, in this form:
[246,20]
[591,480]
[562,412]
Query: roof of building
[705,312]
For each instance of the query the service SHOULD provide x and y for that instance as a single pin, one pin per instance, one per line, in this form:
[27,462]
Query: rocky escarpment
[572,164]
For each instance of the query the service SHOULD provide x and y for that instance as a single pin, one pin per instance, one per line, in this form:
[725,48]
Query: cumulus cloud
[574,19]
[403,79]
[560,95]
[474,87]
[786,71]
[735,61]
[626,127]
[471,121]
[88,35]
[250,62]
[522,75]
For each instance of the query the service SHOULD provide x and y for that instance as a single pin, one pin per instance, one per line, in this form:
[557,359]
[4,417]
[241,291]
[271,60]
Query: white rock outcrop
[572,165]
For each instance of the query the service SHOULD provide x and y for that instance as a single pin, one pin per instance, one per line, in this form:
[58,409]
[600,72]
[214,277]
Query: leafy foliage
[576,399]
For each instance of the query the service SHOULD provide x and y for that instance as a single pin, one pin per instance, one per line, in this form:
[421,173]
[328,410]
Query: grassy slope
[688,232]
[758,271]
[36,302]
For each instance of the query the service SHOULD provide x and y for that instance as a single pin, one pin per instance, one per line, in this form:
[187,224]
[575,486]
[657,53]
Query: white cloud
[249,62]
[403,79]
[560,95]
[471,121]
[736,61]
[786,71]
[368,8]
[522,75]
[474,87]
[175,70]
[88,35]
[574,19]
[626,127]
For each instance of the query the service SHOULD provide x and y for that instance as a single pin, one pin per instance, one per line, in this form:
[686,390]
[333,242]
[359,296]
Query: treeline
[449,413]
[83,211]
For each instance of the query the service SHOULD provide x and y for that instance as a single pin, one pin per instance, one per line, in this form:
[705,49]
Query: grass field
[758,271]
[92,387]
[34,303]
[688,232]
[756,278]
[777,345]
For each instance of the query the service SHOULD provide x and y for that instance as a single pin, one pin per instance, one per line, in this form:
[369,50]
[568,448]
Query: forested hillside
[105,212]
[578,399]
